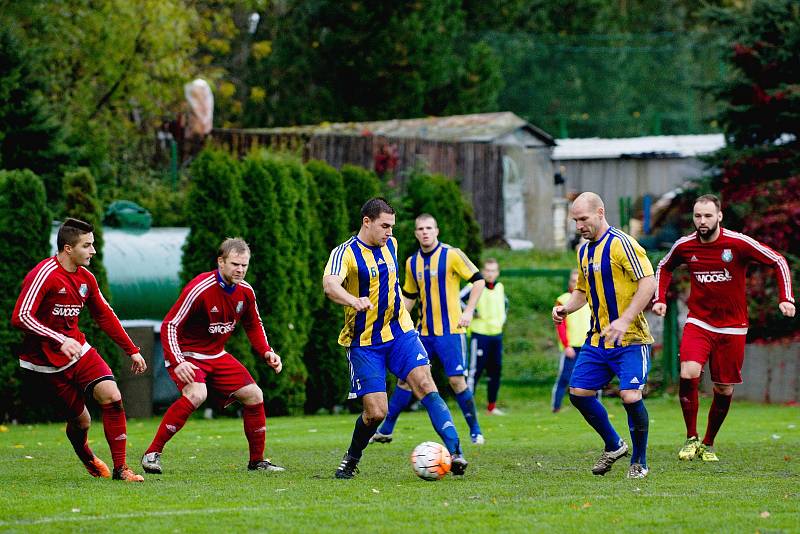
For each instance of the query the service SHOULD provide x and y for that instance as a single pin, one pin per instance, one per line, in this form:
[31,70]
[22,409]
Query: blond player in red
[52,297]
[193,336]
[716,328]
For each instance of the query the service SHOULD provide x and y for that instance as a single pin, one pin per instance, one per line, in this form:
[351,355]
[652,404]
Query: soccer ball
[430,460]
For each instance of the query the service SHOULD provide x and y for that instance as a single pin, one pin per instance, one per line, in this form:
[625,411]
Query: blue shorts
[595,367]
[368,364]
[451,349]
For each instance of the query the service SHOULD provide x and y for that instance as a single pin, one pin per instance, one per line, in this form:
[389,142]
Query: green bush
[215,210]
[30,135]
[167,203]
[441,197]
[80,202]
[26,223]
[360,185]
[328,382]
[278,236]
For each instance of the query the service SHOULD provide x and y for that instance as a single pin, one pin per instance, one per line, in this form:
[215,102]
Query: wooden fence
[477,167]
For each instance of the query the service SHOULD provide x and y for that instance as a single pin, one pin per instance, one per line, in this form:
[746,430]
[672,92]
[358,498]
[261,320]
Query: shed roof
[659,146]
[478,127]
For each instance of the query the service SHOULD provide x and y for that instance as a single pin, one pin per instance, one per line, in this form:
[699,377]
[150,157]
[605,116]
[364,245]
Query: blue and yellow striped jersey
[610,269]
[370,272]
[435,277]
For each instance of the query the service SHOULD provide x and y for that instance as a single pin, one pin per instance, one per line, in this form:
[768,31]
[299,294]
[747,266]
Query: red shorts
[223,376]
[724,352]
[73,384]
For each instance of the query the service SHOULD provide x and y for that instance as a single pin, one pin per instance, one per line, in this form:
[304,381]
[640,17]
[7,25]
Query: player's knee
[723,389]
[106,392]
[196,395]
[629,396]
[374,415]
[249,395]
[691,370]
[580,392]
[421,381]
[458,383]
[82,422]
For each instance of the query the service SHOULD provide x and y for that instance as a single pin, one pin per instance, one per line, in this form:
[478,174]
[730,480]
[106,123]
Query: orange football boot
[125,473]
[97,468]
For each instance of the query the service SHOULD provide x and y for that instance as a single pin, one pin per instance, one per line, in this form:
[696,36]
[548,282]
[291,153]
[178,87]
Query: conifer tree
[278,237]
[26,225]
[214,210]
[81,202]
[758,173]
[328,383]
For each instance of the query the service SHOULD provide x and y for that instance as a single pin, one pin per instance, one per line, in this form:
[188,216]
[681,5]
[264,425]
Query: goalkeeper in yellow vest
[433,275]
[486,344]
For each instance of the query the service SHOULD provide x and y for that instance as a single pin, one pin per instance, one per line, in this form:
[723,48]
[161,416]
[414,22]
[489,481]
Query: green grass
[531,476]
[530,351]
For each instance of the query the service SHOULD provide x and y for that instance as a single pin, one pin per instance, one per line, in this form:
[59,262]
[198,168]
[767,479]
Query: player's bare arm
[469,309]
[645,290]
[577,300]
[332,284]
[274,361]
[409,303]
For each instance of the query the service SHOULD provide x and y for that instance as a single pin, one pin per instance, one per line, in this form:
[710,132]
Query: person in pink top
[193,335]
[716,327]
[52,297]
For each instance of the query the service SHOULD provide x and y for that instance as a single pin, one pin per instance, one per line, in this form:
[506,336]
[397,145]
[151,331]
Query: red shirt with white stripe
[204,317]
[48,308]
[717,298]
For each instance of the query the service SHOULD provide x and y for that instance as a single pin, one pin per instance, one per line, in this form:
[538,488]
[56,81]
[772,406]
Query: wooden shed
[501,162]
[632,167]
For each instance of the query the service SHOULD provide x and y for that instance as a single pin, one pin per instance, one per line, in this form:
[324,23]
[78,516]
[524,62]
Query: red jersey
[48,308]
[717,297]
[204,317]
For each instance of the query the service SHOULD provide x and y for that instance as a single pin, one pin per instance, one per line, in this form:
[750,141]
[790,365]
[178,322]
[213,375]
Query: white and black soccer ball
[430,460]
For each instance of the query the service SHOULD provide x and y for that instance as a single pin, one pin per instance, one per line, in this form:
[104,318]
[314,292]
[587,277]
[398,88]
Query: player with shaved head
[616,279]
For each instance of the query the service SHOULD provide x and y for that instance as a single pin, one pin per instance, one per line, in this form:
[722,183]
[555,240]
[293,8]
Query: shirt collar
[227,288]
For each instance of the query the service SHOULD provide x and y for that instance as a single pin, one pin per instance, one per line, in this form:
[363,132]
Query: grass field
[531,476]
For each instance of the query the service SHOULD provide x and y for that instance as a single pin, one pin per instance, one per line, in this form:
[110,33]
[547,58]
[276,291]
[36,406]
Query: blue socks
[397,403]
[597,416]
[442,421]
[467,404]
[639,424]
[361,435]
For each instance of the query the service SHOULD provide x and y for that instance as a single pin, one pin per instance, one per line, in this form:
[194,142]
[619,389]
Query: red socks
[716,415]
[78,437]
[173,420]
[491,406]
[255,428]
[688,396]
[115,428]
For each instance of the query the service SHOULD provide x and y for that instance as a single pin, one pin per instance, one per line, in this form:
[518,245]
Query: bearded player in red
[52,297]
[193,336]
[716,328]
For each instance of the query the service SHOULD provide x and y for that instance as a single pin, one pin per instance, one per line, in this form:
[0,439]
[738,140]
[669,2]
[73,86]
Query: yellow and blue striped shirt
[435,277]
[610,270]
[370,272]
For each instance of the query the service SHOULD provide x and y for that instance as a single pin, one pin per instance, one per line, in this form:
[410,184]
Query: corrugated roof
[679,146]
[478,127]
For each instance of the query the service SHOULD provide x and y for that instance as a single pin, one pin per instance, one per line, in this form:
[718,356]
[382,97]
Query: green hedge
[25,220]
[441,197]
[81,202]
[328,380]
